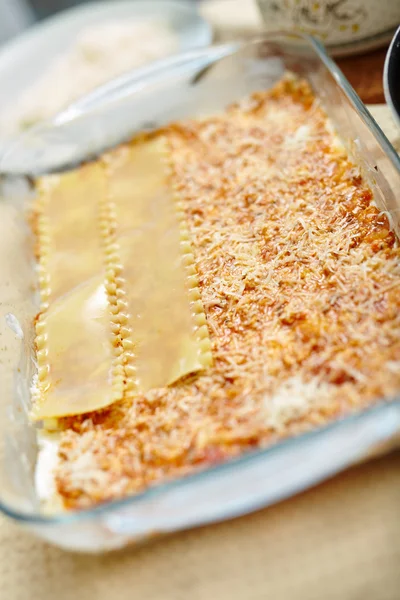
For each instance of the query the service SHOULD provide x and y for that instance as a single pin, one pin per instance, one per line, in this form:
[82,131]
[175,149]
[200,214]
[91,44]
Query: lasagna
[208,290]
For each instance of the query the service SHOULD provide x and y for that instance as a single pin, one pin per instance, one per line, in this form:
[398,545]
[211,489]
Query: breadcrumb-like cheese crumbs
[299,276]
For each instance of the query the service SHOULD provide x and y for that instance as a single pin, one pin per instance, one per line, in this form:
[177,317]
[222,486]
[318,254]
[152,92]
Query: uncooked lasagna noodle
[237,286]
[121,312]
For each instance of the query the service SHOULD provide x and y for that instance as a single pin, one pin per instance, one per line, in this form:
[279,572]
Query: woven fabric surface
[339,541]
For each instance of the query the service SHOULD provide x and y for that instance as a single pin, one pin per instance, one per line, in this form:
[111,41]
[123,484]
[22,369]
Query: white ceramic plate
[26,57]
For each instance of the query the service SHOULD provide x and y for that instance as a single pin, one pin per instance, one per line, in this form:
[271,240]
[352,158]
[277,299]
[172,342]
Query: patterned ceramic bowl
[344,26]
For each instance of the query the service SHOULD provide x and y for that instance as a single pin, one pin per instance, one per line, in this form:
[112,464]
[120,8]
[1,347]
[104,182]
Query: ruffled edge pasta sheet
[166,337]
[121,311]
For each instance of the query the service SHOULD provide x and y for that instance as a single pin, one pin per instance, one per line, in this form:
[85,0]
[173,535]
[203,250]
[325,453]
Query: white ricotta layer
[46,464]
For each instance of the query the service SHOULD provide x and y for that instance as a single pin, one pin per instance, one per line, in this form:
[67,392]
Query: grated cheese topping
[299,276]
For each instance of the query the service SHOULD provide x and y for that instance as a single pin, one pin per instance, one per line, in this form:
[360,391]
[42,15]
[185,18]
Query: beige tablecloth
[339,541]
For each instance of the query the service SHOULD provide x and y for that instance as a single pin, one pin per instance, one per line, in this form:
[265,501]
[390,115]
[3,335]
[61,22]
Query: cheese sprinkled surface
[299,276]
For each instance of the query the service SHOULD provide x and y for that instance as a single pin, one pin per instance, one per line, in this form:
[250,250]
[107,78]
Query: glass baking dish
[191,84]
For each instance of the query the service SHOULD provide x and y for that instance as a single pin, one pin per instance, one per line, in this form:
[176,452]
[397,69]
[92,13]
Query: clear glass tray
[192,84]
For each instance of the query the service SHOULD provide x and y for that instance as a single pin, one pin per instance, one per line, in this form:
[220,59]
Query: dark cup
[391,76]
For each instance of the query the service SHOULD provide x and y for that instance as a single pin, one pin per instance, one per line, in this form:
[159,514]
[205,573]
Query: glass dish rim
[76,516]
